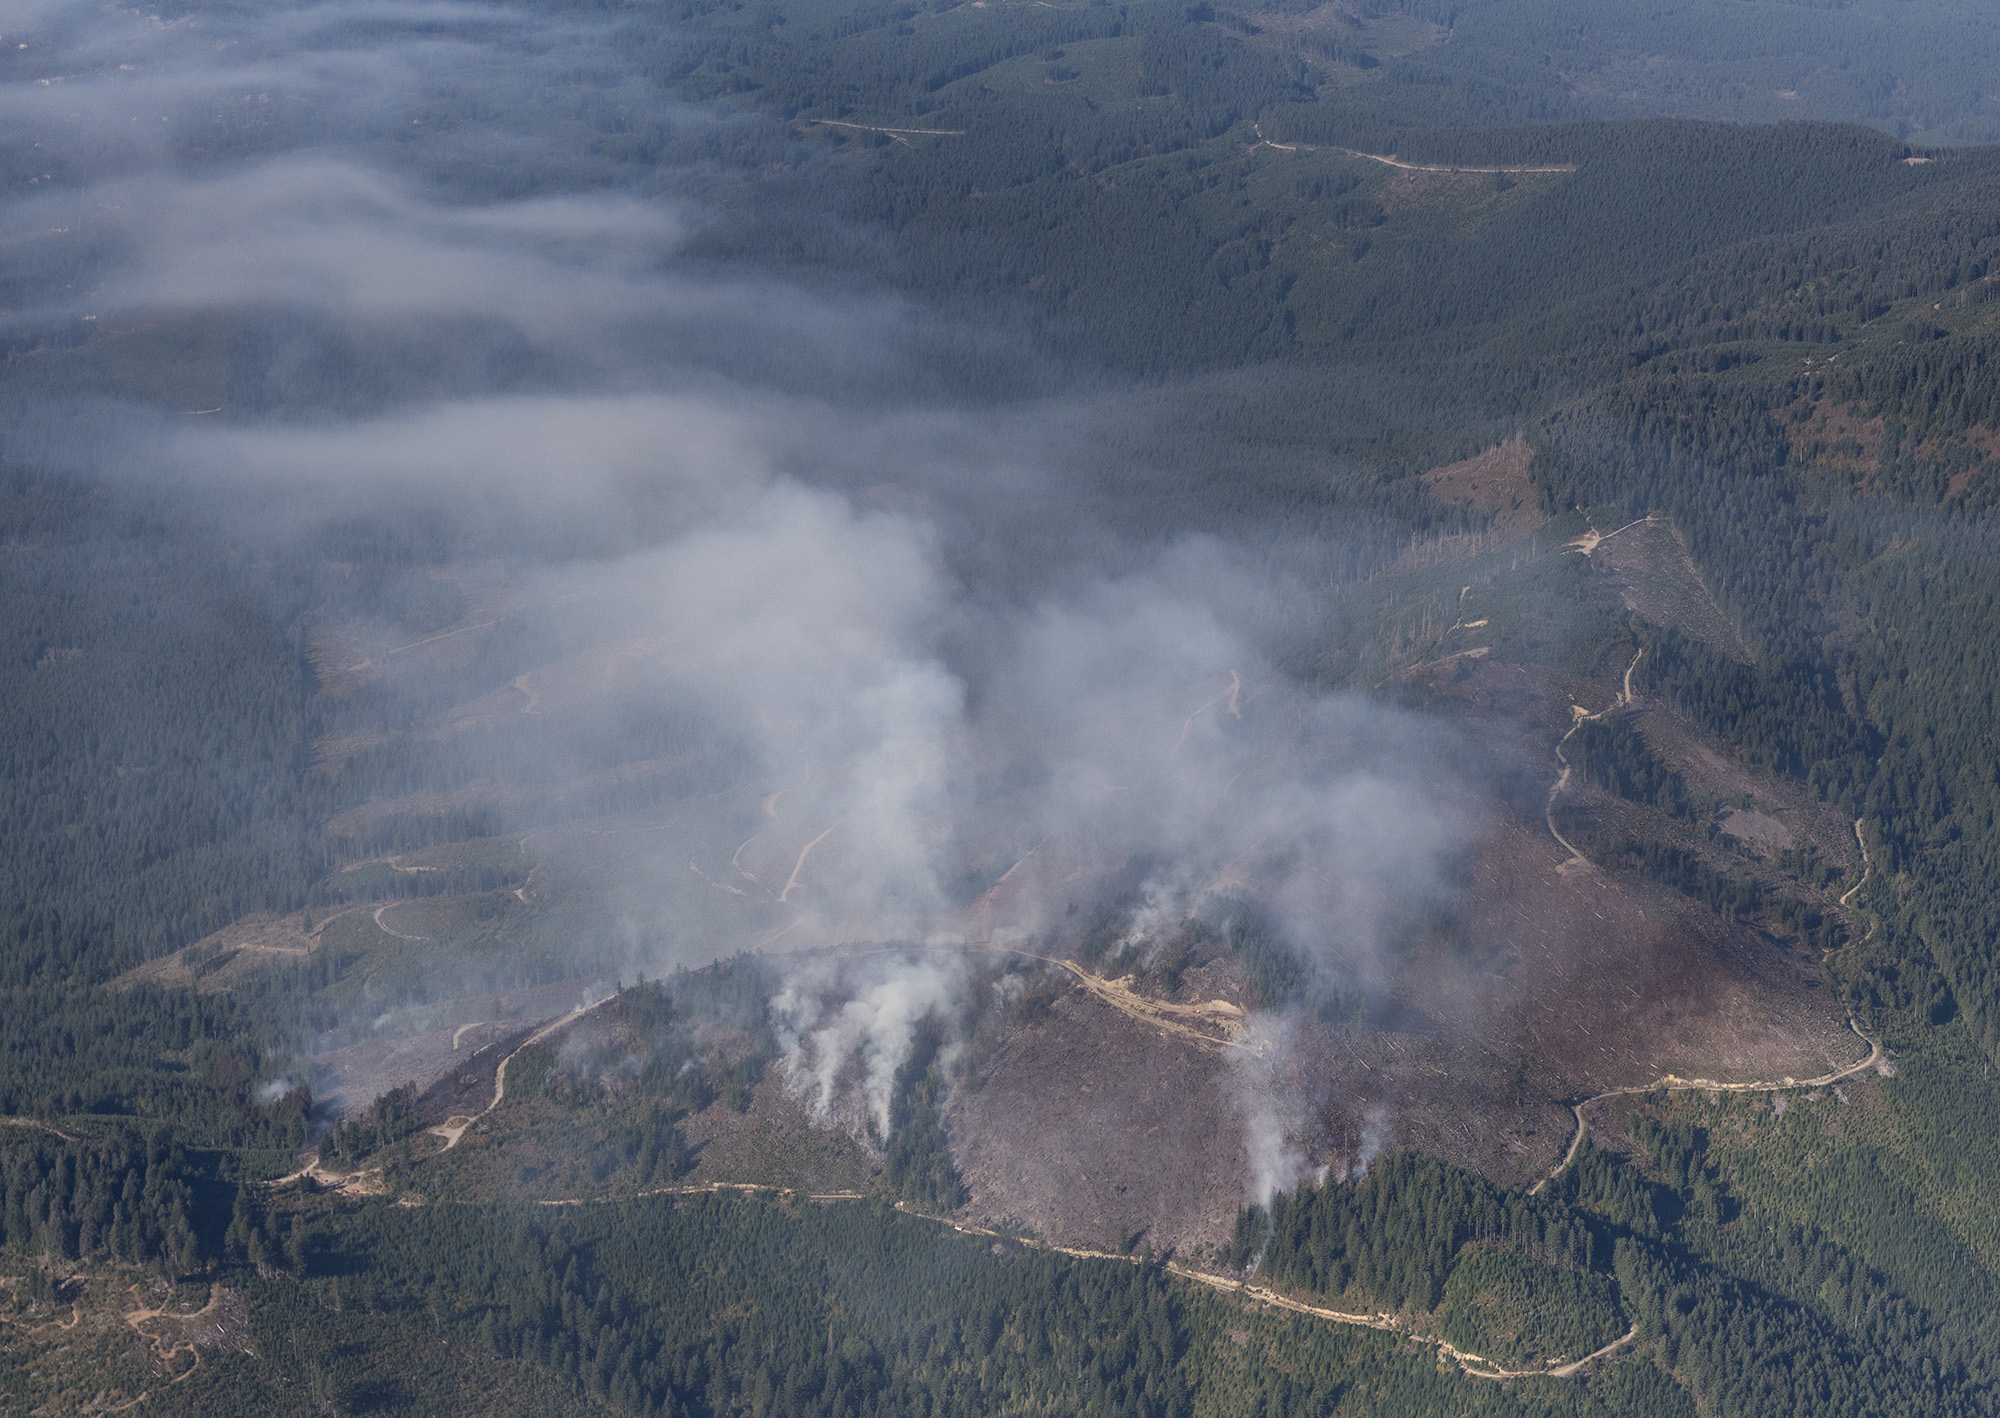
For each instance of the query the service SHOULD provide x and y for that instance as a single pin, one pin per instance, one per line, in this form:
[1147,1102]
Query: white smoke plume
[1376,1132]
[935,702]
[860,1017]
[1272,1111]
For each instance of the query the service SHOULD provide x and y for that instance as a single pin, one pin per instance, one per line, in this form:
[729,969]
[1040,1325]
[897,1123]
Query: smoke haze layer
[848,661]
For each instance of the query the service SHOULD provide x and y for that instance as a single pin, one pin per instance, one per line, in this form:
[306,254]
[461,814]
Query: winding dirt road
[1474,1365]
[1673,1083]
[792,881]
[901,135]
[1230,1021]
[441,635]
[1847,899]
[166,1347]
[320,929]
[1578,718]
[1391,160]
[1164,1015]
[453,1128]
[1592,539]
[1231,699]
[388,929]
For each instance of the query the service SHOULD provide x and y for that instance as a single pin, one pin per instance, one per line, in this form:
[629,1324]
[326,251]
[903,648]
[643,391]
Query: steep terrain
[999,707]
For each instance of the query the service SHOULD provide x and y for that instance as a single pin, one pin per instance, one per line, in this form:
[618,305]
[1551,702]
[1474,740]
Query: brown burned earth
[1092,1128]
[467,1088]
[1093,1124]
[1557,978]
[1761,819]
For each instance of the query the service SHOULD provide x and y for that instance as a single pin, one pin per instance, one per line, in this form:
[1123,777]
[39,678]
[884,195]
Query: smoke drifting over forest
[927,700]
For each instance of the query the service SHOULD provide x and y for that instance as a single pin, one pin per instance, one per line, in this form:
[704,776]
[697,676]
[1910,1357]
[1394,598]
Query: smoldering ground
[781,644]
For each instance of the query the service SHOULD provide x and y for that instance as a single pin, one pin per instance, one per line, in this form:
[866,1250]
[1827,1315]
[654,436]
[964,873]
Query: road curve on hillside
[1578,719]
[1673,1083]
[453,1128]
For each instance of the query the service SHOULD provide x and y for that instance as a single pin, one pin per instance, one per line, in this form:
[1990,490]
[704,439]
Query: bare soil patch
[467,1087]
[1495,483]
[106,1343]
[1091,1126]
[1445,191]
[1649,565]
[176,1337]
[583,799]
[339,662]
[571,682]
[221,961]
[474,797]
[1325,19]
[333,752]
[1760,828]
[1552,986]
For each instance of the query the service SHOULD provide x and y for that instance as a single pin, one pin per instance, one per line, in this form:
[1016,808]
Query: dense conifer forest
[1307,254]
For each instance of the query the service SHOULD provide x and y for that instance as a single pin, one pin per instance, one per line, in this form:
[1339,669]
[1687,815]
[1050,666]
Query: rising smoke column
[525,356]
